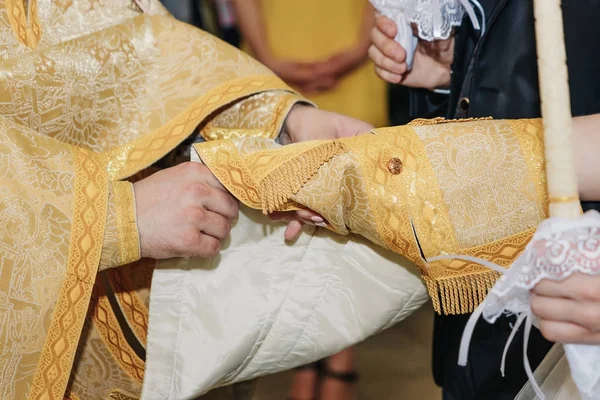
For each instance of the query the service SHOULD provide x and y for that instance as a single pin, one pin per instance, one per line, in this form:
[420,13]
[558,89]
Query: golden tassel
[284,182]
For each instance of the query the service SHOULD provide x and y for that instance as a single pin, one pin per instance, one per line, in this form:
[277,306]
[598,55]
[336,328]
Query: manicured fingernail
[321,224]
[316,219]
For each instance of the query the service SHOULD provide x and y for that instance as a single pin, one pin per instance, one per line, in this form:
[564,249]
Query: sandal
[317,367]
[345,378]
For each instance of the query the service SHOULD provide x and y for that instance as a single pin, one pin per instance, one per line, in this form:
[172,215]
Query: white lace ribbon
[434,19]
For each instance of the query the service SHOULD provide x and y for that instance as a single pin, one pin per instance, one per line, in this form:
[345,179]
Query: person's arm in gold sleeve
[474,188]
[280,115]
[436,187]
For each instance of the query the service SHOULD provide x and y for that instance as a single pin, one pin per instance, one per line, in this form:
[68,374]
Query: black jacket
[496,75]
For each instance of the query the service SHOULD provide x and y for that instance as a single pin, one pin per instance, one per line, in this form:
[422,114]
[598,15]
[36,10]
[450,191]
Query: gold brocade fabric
[438,187]
[92,92]
[52,216]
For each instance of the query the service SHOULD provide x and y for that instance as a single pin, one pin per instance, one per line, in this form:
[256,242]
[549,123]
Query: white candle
[556,109]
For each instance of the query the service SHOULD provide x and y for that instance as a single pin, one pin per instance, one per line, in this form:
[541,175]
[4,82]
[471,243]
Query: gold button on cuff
[395,166]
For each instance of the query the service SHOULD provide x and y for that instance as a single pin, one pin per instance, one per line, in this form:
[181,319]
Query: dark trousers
[481,378]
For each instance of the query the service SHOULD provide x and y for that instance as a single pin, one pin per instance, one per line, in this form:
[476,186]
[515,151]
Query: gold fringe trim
[462,294]
[287,180]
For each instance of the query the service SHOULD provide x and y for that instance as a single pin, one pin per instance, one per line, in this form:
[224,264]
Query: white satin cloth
[264,306]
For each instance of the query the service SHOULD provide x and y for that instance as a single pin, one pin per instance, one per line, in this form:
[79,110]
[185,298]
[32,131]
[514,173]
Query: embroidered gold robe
[432,188]
[94,92]
[91,94]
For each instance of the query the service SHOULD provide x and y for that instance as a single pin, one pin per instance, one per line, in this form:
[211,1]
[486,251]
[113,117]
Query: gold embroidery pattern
[244,175]
[423,196]
[96,373]
[68,89]
[127,223]
[36,206]
[133,308]
[482,175]
[458,287]
[142,93]
[116,395]
[260,115]
[71,396]
[121,237]
[89,217]
[480,200]
[442,120]
[108,327]
[387,193]
[532,144]
[27,32]
[144,151]
[445,165]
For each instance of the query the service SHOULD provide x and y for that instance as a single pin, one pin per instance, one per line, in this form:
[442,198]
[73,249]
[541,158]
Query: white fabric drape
[264,306]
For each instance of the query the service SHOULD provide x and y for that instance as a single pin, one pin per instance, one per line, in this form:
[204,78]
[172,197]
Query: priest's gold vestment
[94,92]
[91,93]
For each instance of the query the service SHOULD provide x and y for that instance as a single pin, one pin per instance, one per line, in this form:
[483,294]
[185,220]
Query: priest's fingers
[578,286]
[568,333]
[202,245]
[212,224]
[585,314]
[198,172]
[216,201]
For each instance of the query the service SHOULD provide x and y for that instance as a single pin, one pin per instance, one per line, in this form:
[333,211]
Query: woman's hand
[341,64]
[293,73]
[432,60]
[296,221]
[569,310]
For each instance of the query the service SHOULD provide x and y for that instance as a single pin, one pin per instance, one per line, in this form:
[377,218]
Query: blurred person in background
[320,47]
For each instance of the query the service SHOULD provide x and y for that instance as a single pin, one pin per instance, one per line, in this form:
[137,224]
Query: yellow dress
[313,30]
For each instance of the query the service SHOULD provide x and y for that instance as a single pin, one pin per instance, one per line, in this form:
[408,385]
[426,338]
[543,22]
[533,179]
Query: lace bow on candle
[559,248]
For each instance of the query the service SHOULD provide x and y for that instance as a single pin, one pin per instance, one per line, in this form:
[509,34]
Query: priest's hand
[183,212]
[569,310]
[432,60]
[309,123]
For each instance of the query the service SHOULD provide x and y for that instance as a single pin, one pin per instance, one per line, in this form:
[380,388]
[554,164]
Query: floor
[395,365]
